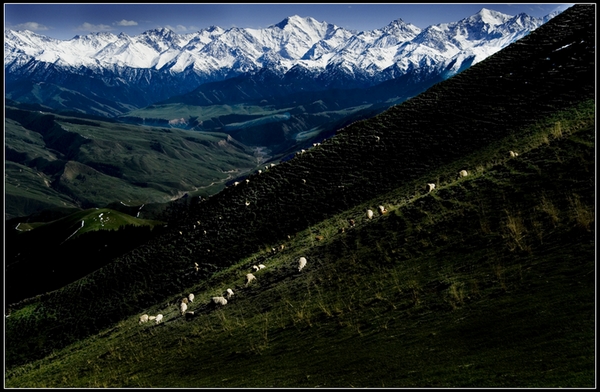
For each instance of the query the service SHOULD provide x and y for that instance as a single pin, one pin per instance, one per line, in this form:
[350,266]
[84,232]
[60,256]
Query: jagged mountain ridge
[160,63]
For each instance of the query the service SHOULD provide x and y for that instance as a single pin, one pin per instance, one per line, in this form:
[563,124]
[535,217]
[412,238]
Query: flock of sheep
[222,300]
[215,301]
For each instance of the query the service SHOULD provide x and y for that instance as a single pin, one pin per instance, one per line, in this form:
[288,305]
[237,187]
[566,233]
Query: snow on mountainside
[326,51]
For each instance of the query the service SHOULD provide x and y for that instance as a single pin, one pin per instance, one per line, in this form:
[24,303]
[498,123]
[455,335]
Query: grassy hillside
[474,255]
[486,282]
[54,160]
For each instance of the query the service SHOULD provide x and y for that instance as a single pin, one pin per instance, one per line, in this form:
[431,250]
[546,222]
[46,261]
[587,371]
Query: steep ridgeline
[551,69]
[106,74]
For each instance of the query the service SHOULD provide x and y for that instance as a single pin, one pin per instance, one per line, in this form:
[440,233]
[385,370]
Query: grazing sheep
[281,247]
[247,203]
[229,293]
[249,278]
[513,154]
[236,183]
[189,315]
[377,138]
[256,267]
[191,297]
[151,318]
[144,318]
[159,318]
[351,222]
[369,214]
[219,301]
[304,181]
[247,181]
[463,173]
[381,210]
[430,187]
[319,238]
[260,171]
[196,265]
[184,300]
[342,230]
[301,263]
[183,308]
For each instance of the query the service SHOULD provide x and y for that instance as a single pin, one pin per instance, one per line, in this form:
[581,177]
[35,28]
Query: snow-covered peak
[295,41]
[298,22]
[489,17]
[399,27]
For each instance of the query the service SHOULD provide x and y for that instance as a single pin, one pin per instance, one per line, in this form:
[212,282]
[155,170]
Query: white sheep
[381,210]
[184,300]
[229,293]
[144,318]
[249,278]
[159,318]
[259,267]
[196,265]
[301,263]
[183,308]
[236,183]
[513,154]
[247,203]
[430,187]
[463,173]
[191,297]
[219,301]
[151,318]
[369,214]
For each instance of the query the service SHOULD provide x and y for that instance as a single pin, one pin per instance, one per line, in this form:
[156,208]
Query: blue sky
[63,21]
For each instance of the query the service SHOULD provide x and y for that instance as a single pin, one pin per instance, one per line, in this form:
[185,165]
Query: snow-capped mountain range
[160,63]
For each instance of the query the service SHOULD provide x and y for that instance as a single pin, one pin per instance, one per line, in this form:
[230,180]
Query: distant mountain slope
[55,160]
[471,119]
[102,73]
